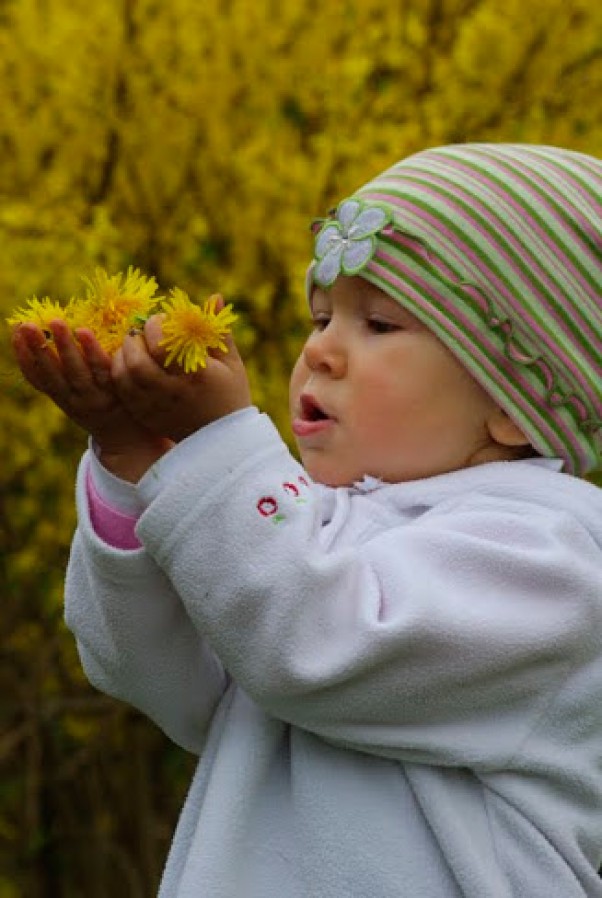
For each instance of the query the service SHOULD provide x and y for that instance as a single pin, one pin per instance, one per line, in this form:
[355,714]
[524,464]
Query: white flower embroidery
[348,242]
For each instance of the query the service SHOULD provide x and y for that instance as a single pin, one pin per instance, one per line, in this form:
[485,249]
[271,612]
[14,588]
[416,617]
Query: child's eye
[320,322]
[378,326]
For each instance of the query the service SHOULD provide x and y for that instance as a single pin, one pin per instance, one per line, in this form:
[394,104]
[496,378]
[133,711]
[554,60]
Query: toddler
[388,657]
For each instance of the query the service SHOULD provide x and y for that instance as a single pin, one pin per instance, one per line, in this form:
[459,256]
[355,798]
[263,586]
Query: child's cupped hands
[168,401]
[133,406]
[75,373]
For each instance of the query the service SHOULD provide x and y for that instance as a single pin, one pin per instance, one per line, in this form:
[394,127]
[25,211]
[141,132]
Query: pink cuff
[114,527]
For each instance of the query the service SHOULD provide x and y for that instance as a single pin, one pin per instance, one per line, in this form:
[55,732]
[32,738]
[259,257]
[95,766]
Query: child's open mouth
[312,419]
[311,411]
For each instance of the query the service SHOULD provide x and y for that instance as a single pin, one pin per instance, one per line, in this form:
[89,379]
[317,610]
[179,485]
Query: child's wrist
[131,461]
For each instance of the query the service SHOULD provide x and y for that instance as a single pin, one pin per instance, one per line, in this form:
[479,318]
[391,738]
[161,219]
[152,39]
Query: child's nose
[325,351]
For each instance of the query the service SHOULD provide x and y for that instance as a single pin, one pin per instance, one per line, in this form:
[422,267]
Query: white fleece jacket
[394,690]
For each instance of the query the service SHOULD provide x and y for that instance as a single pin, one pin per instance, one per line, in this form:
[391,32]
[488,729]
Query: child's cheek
[298,378]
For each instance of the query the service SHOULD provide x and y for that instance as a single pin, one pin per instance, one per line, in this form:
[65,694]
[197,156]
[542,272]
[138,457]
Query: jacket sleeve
[439,641]
[134,637]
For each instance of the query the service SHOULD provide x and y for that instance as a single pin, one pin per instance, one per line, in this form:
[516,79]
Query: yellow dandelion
[190,330]
[78,313]
[113,304]
[38,311]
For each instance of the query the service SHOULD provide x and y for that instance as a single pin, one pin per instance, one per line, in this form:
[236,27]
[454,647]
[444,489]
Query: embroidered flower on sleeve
[346,243]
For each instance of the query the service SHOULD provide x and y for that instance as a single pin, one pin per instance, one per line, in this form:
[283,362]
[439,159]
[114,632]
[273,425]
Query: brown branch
[120,97]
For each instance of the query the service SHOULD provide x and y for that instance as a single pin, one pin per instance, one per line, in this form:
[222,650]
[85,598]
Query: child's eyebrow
[390,307]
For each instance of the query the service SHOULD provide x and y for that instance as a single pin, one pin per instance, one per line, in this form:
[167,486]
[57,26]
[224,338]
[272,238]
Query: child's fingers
[134,372]
[231,356]
[228,340]
[87,368]
[138,360]
[77,373]
[153,335]
[37,360]
[97,360]
[119,370]
[141,385]
[124,384]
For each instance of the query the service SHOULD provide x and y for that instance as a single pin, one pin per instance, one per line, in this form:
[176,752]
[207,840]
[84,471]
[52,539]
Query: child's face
[375,392]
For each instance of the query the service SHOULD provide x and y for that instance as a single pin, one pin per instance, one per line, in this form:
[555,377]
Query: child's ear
[504,431]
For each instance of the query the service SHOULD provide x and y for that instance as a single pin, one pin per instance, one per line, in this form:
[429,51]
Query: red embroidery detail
[303,481]
[291,488]
[267,506]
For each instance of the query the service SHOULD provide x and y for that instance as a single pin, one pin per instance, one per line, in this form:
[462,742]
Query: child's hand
[77,377]
[168,401]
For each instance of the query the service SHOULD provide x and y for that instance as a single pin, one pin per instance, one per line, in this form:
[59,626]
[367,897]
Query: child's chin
[328,475]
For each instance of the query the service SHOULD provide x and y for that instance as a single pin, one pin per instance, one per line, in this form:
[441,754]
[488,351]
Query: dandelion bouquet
[115,304]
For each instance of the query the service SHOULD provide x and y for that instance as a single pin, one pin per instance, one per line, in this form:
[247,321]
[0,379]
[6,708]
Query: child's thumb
[153,335]
[230,354]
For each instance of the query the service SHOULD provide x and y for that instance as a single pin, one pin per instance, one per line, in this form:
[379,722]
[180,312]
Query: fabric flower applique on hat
[345,244]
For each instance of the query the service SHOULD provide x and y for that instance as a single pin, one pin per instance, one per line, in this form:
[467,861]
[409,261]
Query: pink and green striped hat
[497,248]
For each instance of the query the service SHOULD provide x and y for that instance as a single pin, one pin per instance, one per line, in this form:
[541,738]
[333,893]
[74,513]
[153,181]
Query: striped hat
[497,248]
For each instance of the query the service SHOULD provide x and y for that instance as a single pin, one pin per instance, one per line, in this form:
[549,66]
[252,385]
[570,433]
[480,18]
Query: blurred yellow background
[197,139]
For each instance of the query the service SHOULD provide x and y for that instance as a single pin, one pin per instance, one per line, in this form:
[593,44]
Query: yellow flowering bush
[197,140]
